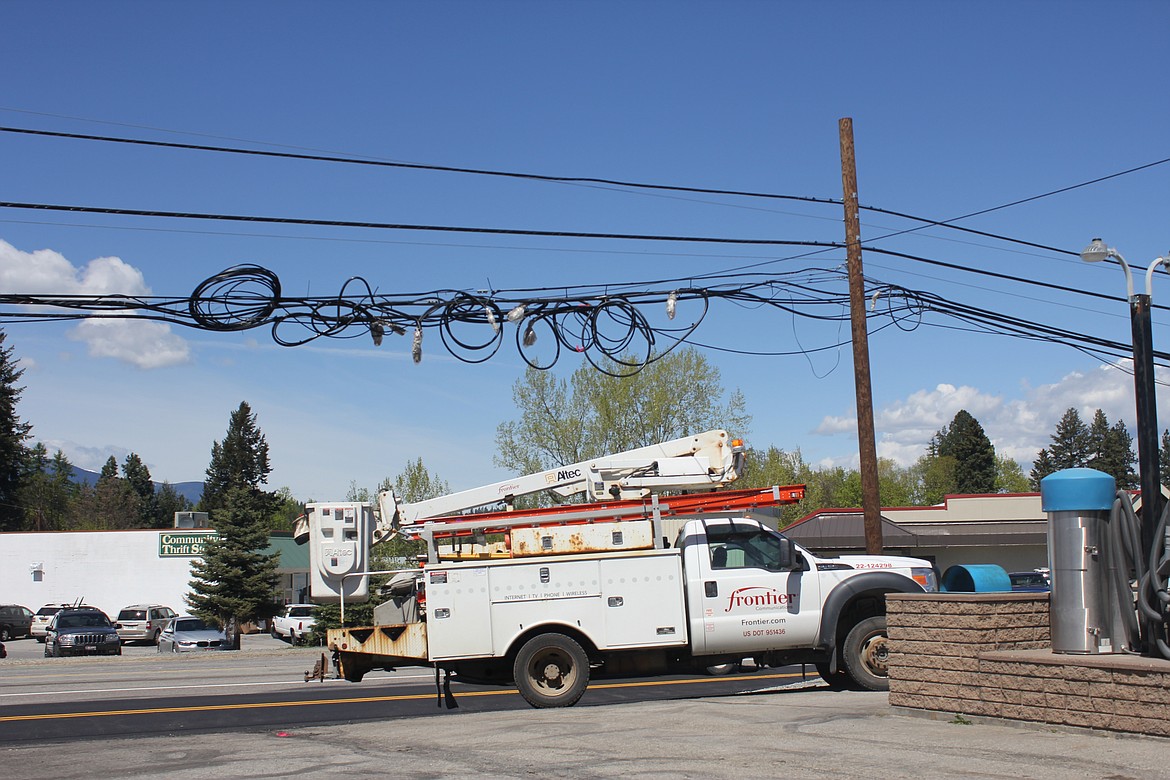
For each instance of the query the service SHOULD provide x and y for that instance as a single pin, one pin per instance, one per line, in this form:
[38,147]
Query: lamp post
[1147,413]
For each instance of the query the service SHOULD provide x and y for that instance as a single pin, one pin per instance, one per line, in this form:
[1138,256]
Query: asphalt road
[756,728]
[263,686]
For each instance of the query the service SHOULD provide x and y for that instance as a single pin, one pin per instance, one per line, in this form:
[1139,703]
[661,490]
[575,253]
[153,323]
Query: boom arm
[341,534]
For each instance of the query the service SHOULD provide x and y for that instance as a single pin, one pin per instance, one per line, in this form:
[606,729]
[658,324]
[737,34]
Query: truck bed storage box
[583,538]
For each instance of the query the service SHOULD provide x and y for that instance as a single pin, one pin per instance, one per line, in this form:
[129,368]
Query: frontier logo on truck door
[760,599]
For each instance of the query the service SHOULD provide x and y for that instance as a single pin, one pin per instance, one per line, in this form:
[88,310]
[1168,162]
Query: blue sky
[956,107]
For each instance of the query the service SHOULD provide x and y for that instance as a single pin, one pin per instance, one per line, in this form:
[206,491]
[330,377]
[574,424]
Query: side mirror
[787,555]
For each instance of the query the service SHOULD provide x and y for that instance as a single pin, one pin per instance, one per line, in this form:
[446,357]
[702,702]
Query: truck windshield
[743,547]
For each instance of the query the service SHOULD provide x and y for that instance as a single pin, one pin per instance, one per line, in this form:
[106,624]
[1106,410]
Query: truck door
[742,600]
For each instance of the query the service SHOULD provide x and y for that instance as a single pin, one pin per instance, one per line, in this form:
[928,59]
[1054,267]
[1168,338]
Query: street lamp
[1147,413]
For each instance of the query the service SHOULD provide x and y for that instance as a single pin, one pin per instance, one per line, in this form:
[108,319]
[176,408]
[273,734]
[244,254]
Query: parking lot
[27,648]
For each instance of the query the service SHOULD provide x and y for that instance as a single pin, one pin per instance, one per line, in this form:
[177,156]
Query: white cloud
[142,343]
[1017,427]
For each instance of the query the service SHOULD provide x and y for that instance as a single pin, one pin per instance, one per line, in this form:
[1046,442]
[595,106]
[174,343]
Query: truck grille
[88,639]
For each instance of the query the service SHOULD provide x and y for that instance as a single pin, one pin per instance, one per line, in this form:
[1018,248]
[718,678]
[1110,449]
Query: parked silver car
[143,622]
[186,633]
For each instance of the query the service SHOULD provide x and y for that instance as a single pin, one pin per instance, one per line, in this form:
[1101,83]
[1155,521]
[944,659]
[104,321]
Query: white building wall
[109,569]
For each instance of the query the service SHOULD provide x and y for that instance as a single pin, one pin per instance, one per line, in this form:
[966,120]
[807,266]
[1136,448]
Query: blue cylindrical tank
[976,578]
[1084,611]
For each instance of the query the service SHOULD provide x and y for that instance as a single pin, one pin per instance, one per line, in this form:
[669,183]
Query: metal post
[867,448]
[1147,436]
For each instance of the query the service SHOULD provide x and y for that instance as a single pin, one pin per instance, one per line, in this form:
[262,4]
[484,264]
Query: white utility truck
[639,584]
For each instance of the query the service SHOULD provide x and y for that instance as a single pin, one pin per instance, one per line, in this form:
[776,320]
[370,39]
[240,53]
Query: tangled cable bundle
[618,329]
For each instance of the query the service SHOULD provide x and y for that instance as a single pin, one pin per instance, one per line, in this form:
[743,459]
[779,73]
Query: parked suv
[81,631]
[15,621]
[42,618]
[143,622]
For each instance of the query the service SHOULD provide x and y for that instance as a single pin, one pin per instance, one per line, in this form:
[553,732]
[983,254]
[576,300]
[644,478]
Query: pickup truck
[294,623]
[730,588]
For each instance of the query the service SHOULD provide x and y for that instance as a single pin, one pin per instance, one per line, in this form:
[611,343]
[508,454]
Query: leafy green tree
[13,434]
[974,455]
[286,511]
[137,476]
[235,580]
[595,414]
[1071,442]
[1009,477]
[241,460]
[935,476]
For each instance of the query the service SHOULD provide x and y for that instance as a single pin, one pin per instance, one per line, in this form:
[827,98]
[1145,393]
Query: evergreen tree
[13,435]
[235,580]
[1041,468]
[167,501]
[1070,443]
[974,455]
[48,490]
[241,460]
[137,476]
[1117,458]
[109,470]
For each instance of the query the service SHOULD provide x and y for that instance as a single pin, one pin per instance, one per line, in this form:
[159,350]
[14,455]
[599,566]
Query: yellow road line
[361,700]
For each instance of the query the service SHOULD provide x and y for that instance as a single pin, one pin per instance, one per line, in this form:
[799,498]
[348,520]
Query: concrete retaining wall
[989,655]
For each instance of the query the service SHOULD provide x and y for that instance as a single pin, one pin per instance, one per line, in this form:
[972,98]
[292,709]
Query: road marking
[361,700]
[296,683]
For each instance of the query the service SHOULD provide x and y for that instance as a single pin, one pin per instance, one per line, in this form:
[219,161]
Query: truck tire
[866,654]
[551,670]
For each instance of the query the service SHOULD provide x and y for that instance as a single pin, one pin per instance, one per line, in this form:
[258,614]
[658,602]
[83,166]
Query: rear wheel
[866,654]
[551,670]
[5,634]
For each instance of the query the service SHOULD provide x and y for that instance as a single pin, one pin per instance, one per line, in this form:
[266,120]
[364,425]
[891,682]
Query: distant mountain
[192,491]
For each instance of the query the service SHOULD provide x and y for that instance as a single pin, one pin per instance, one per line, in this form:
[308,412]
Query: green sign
[187,544]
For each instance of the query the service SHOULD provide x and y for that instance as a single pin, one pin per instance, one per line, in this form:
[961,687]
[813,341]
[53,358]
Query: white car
[41,620]
[186,633]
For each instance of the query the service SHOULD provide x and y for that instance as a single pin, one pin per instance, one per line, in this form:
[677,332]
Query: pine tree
[974,455]
[1041,468]
[137,476]
[13,435]
[1070,443]
[109,470]
[167,501]
[241,460]
[235,580]
[1118,458]
[48,490]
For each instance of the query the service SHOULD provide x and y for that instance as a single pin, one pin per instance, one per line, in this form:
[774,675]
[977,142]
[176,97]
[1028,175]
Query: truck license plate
[90,648]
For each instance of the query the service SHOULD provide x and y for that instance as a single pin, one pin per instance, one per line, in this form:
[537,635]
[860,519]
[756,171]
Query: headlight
[65,639]
[926,578]
[111,637]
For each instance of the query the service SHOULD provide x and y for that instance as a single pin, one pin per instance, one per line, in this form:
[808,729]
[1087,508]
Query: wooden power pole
[867,448]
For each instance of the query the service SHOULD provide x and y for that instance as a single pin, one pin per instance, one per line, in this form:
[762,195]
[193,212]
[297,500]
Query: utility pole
[867,448]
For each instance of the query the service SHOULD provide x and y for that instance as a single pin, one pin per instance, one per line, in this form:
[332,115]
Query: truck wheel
[551,670]
[722,669]
[866,654]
